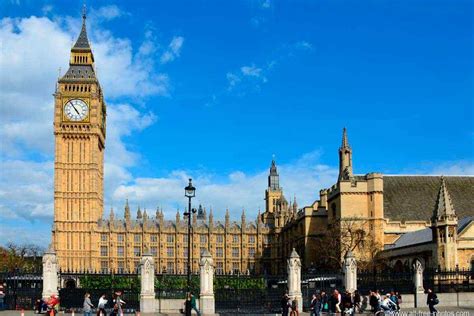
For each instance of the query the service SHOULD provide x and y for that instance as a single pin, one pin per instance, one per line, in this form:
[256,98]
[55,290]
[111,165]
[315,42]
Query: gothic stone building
[395,212]
[402,218]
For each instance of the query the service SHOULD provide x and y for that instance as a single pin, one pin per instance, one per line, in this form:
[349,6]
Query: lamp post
[189,192]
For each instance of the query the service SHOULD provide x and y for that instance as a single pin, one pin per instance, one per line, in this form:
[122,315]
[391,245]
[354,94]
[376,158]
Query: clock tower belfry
[79,130]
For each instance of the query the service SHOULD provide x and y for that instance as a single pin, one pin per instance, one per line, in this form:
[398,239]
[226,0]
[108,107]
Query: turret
[127,211]
[111,215]
[444,228]
[345,159]
[139,213]
[178,218]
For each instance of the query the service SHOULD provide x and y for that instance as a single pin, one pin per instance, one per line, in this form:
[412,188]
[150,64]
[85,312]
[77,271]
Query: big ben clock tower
[79,130]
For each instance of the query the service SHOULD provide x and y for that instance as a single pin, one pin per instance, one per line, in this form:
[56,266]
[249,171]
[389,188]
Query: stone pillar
[350,272]
[294,278]
[418,282]
[147,291]
[207,302]
[50,273]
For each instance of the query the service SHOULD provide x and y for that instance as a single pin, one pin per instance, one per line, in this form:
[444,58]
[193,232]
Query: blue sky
[212,90]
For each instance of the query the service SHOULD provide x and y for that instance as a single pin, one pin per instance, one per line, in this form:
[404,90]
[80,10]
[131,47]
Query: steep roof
[415,197]
[82,41]
[424,235]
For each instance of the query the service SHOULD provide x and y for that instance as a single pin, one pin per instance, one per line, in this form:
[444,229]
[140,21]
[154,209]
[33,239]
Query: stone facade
[387,209]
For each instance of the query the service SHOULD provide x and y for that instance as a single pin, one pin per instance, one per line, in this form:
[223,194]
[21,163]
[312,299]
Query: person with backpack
[324,302]
[431,301]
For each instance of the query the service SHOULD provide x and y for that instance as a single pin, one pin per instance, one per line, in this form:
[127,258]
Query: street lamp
[189,192]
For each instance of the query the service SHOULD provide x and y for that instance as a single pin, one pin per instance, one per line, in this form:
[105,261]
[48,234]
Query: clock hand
[75,109]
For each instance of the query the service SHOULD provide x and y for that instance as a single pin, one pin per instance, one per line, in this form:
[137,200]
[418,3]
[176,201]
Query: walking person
[193,304]
[87,305]
[357,302]
[324,302]
[315,306]
[187,304]
[118,303]
[431,301]
[101,306]
[294,308]
[285,305]
[346,304]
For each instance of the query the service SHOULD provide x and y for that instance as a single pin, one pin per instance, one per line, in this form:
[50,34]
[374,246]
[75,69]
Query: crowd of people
[347,303]
[50,306]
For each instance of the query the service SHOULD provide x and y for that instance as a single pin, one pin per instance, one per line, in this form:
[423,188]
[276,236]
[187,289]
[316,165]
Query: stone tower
[444,227]
[274,200]
[79,130]
[345,158]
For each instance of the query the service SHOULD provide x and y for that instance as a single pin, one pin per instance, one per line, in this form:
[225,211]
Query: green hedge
[110,282]
[169,282]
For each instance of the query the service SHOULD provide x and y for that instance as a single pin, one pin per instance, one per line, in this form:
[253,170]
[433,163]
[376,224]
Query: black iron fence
[446,281]
[241,294]
[385,281]
[76,285]
[317,282]
[22,288]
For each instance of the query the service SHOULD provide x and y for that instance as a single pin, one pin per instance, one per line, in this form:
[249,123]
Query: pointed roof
[444,206]
[345,142]
[82,42]
[273,168]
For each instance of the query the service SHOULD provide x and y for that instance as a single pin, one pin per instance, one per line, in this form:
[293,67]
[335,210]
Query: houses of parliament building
[403,217]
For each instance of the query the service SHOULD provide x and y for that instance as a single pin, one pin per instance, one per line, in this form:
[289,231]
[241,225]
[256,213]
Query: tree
[26,257]
[342,236]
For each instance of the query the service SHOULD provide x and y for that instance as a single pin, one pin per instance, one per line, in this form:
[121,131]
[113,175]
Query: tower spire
[345,158]
[82,42]
[444,207]
[345,143]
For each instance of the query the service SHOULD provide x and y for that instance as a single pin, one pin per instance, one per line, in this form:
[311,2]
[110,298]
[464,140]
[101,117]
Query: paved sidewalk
[443,311]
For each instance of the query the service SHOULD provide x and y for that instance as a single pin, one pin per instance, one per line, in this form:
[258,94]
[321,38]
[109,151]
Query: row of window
[170,251]
[170,238]
[170,267]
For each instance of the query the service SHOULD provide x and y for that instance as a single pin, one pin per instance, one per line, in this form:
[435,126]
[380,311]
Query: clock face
[76,110]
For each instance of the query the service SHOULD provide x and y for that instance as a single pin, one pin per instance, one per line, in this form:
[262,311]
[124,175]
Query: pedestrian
[431,301]
[338,301]
[285,305]
[324,302]
[357,302]
[101,306]
[373,302]
[187,304]
[294,308]
[53,305]
[87,305]
[193,304]
[315,306]
[400,301]
[346,303]
[118,303]
[394,299]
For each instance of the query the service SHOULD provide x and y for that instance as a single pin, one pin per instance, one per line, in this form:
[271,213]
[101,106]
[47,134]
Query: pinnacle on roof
[444,206]
[83,41]
[273,168]
[345,142]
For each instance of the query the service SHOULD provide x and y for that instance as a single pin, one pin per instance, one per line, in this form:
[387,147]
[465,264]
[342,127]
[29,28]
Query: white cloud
[460,168]
[251,71]
[266,4]
[303,45]
[303,177]
[248,77]
[173,51]
[33,48]
[108,12]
